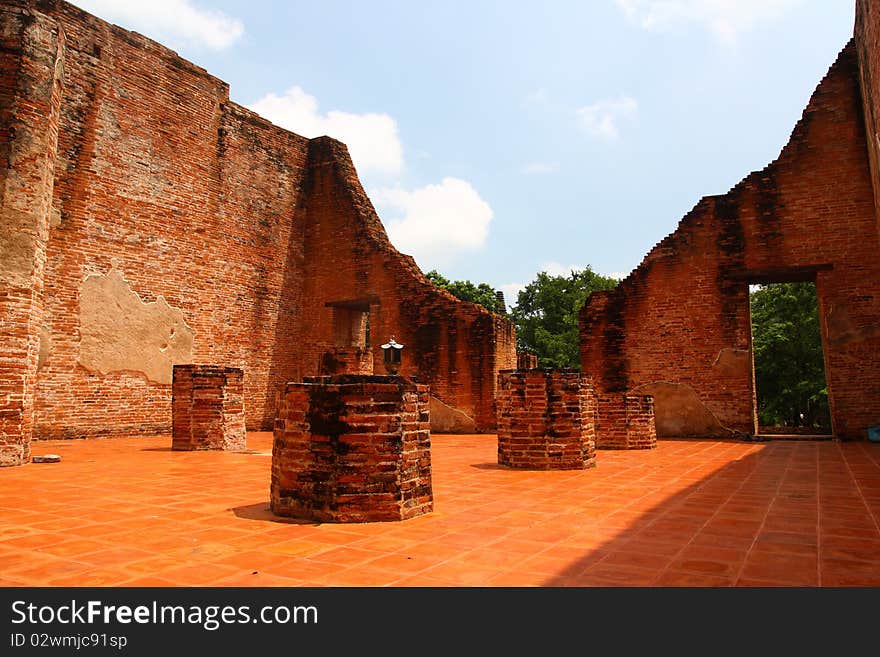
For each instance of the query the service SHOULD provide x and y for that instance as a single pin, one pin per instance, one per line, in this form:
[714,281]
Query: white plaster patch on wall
[119,331]
[18,243]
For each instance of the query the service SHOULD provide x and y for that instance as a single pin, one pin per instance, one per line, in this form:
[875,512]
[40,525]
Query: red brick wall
[347,360]
[193,197]
[455,347]
[682,317]
[246,228]
[207,408]
[867,38]
[352,449]
[31,56]
[546,420]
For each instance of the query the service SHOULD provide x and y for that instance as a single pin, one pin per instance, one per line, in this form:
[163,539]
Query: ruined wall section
[178,235]
[191,202]
[867,39]
[681,319]
[455,347]
[31,71]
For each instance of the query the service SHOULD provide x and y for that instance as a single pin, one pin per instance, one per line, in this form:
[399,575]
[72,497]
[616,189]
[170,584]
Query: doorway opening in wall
[790,385]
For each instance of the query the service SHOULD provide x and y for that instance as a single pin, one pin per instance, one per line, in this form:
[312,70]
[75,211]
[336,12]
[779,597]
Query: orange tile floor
[690,513]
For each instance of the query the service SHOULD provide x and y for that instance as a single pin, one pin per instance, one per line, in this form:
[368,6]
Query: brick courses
[352,448]
[526,360]
[546,420]
[680,322]
[31,69]
[248,229]
[207,408]
[626,421]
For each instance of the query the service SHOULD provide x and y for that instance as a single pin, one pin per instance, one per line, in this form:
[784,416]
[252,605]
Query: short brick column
[626,422]
[352,448]
[207,408]
[546,420]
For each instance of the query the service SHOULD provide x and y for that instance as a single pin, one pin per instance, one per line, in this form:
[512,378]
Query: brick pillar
[626,422]
[31,72]
[352,449]
[546,420]
[207,408]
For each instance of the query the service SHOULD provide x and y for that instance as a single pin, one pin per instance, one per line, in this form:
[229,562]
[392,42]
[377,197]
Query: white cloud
[434,223]
[372,139]
[601,119]
[725,19]
[171,21]
[619,275]
[539,168]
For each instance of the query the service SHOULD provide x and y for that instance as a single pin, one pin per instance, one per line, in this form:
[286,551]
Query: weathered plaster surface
[678,411]
[45,349]
[733,362]
[446,419]
[119,331]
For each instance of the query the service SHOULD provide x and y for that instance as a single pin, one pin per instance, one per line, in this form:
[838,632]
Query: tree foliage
[546,315]
[789,367]
[483,294]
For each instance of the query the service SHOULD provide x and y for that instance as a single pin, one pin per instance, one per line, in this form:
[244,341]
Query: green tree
[789,367]
[546,315]
[483,294]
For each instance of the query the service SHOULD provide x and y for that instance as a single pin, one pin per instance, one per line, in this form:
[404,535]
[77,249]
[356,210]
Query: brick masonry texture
[352,448]
[119,155]
[678,326]
[32,52]
[207,408]
[526,360]
[347,360]
[626,422]
[546,420]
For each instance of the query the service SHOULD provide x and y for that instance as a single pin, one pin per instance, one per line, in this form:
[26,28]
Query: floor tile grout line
[742,567]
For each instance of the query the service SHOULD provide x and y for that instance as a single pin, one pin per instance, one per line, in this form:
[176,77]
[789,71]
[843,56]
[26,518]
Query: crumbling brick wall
[209,216]
[31,67]
[867,40]
[455,347]
[678,327]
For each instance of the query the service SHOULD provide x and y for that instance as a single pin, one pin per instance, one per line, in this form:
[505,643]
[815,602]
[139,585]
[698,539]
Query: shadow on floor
[754,522]
[261,512]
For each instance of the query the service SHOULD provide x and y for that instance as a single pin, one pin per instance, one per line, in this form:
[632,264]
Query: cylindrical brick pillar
[352,448]
[546,420]
[626,422]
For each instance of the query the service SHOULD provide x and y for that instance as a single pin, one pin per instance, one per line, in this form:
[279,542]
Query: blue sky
[499,139]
